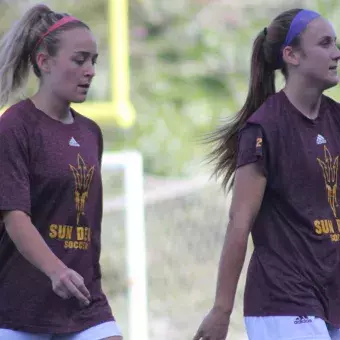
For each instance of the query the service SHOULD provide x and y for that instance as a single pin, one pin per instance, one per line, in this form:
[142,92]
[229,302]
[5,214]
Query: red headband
[55,26]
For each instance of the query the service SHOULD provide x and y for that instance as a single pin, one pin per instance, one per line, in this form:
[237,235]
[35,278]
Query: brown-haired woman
[284,149]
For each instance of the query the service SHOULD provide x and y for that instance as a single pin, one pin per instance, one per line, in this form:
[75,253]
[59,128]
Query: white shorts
[98,332]
[289,328]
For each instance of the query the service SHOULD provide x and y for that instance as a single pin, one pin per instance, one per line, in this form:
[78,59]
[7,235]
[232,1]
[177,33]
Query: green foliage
[186,76]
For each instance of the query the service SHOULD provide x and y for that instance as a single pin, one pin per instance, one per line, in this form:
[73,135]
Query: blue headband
[298,25]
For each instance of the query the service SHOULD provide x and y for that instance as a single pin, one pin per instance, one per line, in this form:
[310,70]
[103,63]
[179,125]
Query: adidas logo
[302,319]
[73,142]
[320,140]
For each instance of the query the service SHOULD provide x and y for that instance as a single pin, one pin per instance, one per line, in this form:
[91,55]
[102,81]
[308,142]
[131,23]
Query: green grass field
[184,240]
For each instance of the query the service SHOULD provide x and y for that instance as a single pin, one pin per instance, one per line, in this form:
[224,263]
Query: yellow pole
[119,62]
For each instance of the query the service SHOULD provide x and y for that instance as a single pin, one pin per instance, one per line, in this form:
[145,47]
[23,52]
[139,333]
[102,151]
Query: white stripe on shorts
[289,328]
[98,332]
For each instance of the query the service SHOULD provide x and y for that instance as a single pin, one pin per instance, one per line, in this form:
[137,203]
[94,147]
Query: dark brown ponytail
[264,62]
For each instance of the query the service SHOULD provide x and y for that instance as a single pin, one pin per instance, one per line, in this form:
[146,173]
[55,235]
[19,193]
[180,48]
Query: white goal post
[131,163]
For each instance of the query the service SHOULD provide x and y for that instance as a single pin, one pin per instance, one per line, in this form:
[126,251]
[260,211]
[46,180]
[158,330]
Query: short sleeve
[252,147]
[14,165]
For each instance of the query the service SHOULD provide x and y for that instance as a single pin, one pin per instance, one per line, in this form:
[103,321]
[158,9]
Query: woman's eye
[79,62]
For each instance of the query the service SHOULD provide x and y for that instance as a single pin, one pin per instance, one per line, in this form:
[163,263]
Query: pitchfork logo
[83,177]
[330,174]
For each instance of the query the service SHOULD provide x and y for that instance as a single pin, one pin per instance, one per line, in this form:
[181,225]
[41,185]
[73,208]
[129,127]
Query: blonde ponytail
[17,53]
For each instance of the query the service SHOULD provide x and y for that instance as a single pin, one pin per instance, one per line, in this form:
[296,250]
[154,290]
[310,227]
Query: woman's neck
[304,98]
[53,106]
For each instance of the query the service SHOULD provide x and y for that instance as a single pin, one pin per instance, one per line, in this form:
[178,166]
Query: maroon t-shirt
[295,266]
[51,171]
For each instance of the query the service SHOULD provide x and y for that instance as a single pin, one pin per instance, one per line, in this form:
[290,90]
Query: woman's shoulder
[331,103]
[17,116]
[87,122]
[270,113]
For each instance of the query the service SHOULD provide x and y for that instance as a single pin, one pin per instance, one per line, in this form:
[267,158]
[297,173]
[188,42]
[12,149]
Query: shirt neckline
[51,120]
[293,109]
